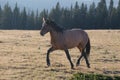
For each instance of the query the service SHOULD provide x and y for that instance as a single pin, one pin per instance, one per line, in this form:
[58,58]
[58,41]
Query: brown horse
[66,39]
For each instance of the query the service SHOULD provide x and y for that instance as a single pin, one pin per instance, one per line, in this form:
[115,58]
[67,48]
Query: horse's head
[49,26]
[45,27]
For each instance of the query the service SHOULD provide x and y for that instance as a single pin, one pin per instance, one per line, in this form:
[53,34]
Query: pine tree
[91,16]
[16,17]
[37,21]
[23,19]
[76,15]
[0,16]
[56,13]
[83,14]
[101,14]
[66,18]
[110,13]
[30,21]
[6,19]
[118,14]
[114,21]
[44,14]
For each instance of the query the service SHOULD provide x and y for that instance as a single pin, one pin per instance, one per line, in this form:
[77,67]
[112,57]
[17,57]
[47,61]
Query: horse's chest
[58,43]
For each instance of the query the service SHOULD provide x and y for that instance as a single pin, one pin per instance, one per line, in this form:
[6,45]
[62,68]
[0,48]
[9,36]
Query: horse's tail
[88,47]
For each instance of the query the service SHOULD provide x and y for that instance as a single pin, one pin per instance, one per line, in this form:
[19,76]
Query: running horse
[66,39]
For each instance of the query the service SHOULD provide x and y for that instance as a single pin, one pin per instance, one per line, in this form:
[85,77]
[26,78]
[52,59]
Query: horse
[62,39]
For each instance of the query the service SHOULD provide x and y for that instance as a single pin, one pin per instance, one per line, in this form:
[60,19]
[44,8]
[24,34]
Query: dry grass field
[23,56]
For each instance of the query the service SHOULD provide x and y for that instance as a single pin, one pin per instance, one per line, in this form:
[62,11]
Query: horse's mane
[55,26]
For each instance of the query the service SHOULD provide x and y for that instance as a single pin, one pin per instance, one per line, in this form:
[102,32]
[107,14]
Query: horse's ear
[44,20]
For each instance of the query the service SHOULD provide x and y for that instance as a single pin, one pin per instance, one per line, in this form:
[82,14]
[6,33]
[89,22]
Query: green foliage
[82,76]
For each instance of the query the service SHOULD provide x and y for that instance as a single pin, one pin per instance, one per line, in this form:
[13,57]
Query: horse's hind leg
[86,59]
[83,54]
[78,61]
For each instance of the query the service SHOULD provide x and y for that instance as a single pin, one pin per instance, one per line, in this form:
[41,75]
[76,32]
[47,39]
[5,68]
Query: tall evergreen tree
[83,15]
[23,20]
[16,17]
[118,14]
[37,21]
[110,13]
[71,11]
[6,20]
[56,13]
[76,15]
[114,19]
[44,14]
[91,16]
[0,16]
[101,15]
[65,18]
[30,21]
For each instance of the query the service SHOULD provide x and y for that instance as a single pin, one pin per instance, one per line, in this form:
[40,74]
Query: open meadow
[23,56]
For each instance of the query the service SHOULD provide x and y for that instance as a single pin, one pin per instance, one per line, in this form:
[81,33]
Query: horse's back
[75,37]
[76,34]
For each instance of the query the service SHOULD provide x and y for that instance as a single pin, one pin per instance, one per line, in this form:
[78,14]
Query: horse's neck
[55,36]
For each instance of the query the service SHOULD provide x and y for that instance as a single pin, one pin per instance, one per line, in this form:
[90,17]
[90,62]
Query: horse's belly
[71,44]
[59,45]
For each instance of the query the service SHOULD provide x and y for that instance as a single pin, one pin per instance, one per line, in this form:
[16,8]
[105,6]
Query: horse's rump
[75,37]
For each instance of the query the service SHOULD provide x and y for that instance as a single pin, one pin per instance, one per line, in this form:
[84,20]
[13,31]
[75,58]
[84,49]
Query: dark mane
[55,26]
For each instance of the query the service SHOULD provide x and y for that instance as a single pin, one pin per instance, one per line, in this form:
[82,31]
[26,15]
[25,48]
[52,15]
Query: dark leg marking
[86,59]
[69,58]
[48,53]
[78,61]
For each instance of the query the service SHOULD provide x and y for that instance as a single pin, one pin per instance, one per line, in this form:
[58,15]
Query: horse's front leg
[48,53]
[69,58]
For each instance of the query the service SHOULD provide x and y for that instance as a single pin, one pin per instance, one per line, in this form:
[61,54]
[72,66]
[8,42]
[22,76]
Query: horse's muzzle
[41,34]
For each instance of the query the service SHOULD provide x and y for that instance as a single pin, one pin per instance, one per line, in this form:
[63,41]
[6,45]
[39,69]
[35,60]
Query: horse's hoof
[48,64]
[77,65]
[73,68]
[88,66]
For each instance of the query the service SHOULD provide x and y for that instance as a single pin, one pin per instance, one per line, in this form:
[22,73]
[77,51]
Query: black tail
[88,47]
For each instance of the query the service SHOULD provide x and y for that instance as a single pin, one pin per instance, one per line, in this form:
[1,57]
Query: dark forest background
[98,16]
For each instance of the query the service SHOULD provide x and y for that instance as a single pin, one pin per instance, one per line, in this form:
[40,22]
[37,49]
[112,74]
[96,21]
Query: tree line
[98,16]
[19,19]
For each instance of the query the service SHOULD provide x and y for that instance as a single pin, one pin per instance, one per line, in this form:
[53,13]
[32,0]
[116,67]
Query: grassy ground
[23,56]
[83,76]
